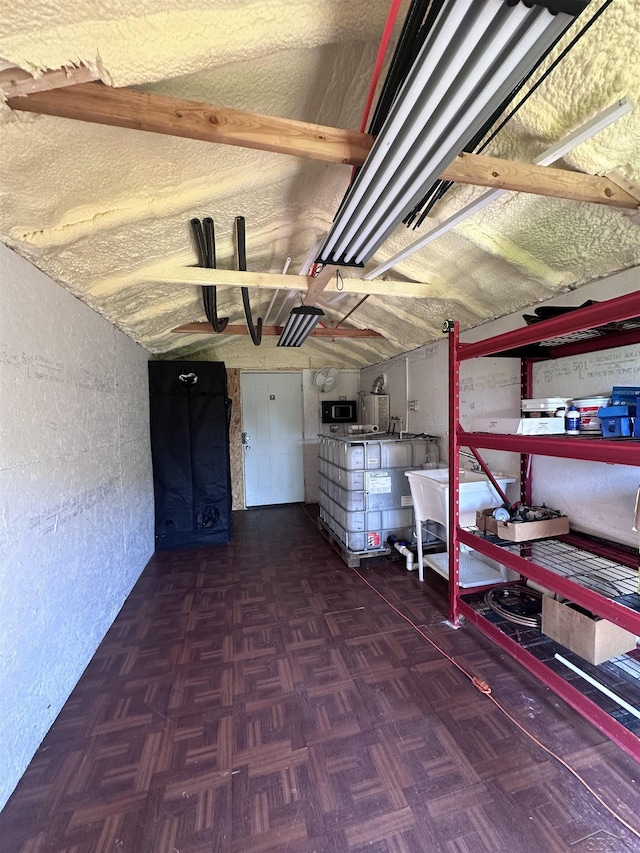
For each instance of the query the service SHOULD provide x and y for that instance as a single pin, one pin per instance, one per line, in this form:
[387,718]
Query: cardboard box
[521,531]
[594,639]
[520,426]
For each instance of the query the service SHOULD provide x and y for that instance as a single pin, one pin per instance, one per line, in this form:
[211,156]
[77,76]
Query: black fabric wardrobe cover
[190,452]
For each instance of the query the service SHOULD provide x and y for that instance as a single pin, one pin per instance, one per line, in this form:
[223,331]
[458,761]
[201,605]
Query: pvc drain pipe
[408,553]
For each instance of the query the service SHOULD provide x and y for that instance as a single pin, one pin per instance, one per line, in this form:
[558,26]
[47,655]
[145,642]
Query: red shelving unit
[602,326]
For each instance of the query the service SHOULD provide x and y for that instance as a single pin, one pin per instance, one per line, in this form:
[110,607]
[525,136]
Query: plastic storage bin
[588,408]
[543,406]
[615,421]
[626,395]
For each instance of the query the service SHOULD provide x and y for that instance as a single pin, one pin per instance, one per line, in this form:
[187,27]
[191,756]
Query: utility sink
[430,493]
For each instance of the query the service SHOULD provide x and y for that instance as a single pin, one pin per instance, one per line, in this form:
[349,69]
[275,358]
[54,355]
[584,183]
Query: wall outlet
[414,405]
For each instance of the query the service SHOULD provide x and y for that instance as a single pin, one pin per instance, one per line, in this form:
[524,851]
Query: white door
[273,448]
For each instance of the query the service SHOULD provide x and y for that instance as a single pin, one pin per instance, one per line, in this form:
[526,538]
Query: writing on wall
[40,367]
[52,518]
[478,390]
[606,368]
[430,350]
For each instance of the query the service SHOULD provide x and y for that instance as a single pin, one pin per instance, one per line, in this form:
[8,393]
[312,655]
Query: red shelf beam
[566,447]
[611,311]
[620,735]
[602,548]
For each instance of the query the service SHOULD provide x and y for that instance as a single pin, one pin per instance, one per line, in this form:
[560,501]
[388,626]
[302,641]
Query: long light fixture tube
[302,321]
[476,52]
[552,154]
[445,134]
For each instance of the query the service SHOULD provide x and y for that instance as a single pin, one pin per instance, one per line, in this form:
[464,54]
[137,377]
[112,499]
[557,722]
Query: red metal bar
[620,735]
[392,14]
[567,447]
[608,550]
[593,601]
[454,472]
[526,388]
[611,311]
[488,473]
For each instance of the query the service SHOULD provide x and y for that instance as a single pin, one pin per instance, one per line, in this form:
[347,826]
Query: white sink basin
[430,493]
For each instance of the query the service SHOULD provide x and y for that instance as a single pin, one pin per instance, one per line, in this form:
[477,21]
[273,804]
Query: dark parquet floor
[261,697]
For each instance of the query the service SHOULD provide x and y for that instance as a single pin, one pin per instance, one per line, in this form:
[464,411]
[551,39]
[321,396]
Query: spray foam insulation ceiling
[99,208]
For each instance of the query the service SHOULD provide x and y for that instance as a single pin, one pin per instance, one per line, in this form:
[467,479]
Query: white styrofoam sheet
[76,497]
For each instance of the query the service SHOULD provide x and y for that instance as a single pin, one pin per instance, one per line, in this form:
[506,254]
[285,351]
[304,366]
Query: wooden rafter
[318,284]
[318,332]
[15,82]
[95,102]
[482,170]
[167,273]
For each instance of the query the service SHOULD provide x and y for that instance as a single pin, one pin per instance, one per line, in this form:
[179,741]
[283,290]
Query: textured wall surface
[598,498]
[76,497]
[347,388]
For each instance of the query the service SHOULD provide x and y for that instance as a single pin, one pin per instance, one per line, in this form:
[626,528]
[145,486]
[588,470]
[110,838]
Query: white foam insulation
[96,207]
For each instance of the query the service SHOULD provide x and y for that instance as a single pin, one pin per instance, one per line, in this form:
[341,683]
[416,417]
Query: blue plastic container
[615,421]
[626,395]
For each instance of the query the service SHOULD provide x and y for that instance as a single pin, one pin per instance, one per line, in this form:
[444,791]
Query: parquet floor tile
[261,696]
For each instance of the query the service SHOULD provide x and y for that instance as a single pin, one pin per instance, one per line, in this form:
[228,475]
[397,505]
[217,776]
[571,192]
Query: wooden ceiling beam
[16,82]
[319,332]
[96,102]
[318,283]
[167,273]
[482,170]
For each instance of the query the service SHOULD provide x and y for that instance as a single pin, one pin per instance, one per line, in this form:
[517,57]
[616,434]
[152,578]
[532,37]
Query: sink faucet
[475,465]
[395,419]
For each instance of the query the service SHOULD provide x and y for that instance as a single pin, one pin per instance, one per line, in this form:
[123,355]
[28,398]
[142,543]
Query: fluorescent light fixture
[302,321]
[607,117]
[475,54]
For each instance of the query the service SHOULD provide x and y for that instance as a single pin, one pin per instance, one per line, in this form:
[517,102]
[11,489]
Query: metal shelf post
[454,473]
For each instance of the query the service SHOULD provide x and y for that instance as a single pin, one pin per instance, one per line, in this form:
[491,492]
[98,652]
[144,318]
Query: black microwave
[339,412]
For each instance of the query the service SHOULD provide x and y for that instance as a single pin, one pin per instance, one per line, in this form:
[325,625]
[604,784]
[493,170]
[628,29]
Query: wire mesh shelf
[599,574]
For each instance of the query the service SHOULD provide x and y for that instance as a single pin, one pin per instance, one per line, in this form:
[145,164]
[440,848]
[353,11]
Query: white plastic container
[544,406]
[520,426]
[588,408]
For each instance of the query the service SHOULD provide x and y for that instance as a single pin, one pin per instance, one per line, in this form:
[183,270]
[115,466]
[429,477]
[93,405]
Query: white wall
[76,497]
[347,389]
[598,498]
